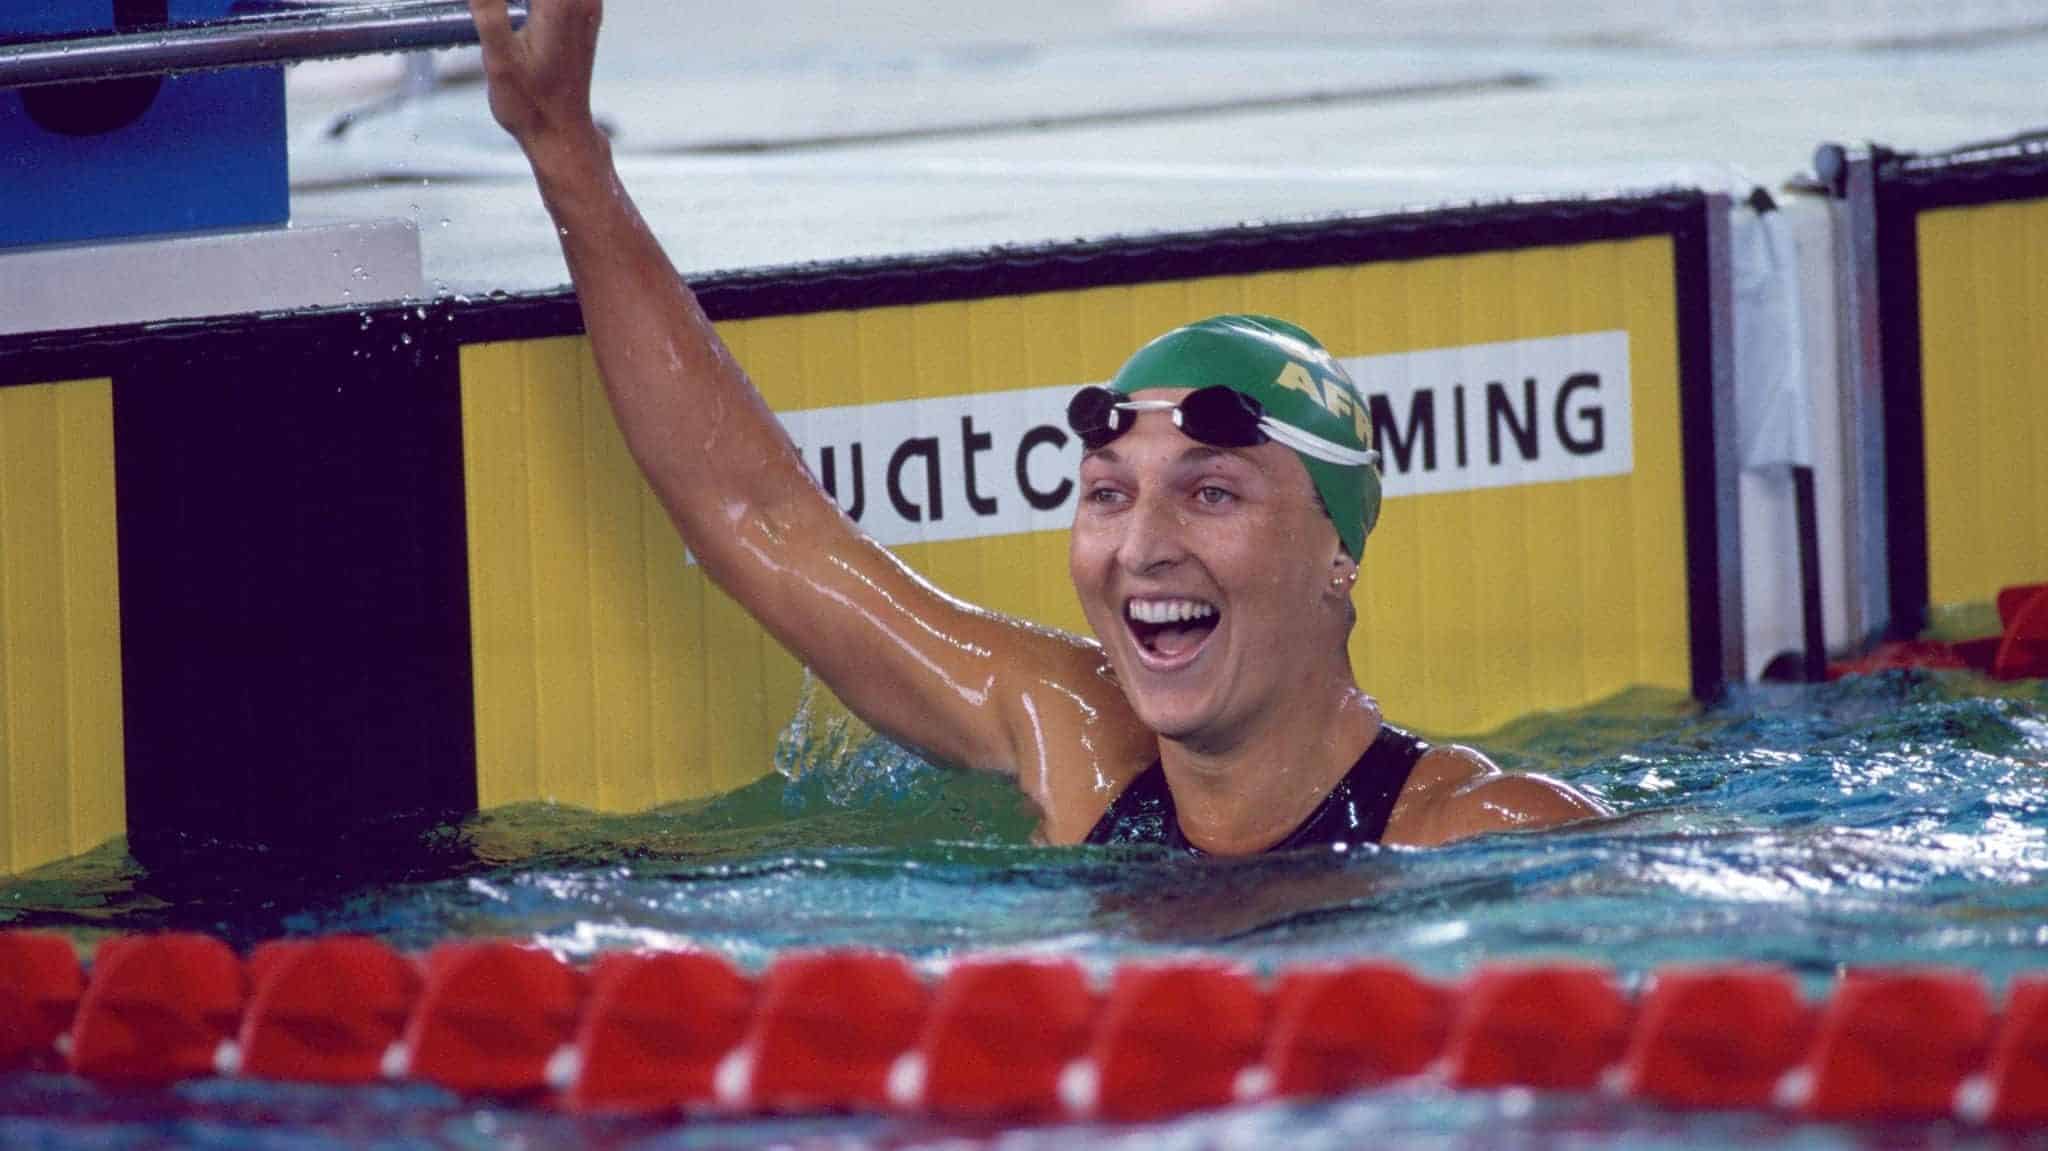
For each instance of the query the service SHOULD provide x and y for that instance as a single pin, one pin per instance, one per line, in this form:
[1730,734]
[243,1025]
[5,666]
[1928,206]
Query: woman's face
[1205,573]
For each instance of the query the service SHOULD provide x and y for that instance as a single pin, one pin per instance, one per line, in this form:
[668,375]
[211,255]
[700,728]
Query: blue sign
[156,154]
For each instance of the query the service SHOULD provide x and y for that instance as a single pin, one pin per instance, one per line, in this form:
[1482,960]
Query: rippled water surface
[1900,818]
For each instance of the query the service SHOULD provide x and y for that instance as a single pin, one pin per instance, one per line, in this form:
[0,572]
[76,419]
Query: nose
[1154,535]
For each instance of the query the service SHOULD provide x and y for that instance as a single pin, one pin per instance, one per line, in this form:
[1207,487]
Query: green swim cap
[1302,388]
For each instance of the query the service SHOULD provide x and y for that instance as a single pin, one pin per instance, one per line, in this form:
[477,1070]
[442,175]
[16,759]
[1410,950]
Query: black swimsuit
[1355,811]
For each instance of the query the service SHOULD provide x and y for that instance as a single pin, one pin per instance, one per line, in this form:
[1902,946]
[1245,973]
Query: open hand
[539,76]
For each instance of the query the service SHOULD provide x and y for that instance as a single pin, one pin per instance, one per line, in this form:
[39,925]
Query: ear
[1343,574]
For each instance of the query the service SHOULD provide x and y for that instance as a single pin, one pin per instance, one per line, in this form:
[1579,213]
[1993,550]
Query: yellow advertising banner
[1532,553]
[1983,279]
[61,769]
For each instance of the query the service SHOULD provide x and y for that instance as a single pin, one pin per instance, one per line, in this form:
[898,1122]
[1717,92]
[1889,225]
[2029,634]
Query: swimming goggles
[1217,416]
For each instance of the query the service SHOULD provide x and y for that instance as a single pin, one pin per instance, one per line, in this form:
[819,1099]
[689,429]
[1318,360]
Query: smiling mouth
[1170,630]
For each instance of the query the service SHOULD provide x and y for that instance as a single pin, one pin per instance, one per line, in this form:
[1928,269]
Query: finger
[580,20]
[493,25]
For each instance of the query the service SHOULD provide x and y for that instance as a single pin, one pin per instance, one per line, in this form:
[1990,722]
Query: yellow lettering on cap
[1338,401]
[1355,411]
[1296,377]
[1330,397]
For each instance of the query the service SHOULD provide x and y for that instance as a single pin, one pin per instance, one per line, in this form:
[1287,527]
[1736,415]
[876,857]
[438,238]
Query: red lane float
[40,983]
[1172,1038]
[158,1009]
[2014,1089]
[1015,1038]
[1716,1037]
[655,1031]
[325,1010]
[830,1027]
[491,1018]
[1000,1034]
[1338,1029]
[1556,1026]
[1895,1045]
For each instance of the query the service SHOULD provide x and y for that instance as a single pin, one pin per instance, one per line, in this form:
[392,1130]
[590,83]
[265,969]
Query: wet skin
[1254,720]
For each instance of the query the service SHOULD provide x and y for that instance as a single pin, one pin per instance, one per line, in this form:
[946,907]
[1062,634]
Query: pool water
[1894,819]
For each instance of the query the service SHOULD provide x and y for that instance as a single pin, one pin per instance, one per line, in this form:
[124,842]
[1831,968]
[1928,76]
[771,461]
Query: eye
[1104,495]
[1212,495]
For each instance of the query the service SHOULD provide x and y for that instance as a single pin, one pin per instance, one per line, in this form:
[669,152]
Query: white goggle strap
[1116,411]
[1287,435]
[1312,445]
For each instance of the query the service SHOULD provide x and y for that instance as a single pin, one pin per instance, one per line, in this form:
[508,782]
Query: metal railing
[282,37]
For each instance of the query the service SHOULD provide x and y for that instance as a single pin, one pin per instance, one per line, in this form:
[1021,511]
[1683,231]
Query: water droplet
[420,312]
[444,221]
[405,337]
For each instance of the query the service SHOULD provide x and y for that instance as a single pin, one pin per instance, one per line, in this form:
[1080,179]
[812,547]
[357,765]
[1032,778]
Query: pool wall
[1963,284]
[292,574]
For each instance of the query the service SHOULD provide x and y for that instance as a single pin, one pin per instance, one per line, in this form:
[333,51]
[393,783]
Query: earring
[1338,583]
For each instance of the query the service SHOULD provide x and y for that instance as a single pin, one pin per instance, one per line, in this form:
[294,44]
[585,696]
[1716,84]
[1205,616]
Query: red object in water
[999,1036]
[655,1030]
[1555,1027]
[1716,1037]
[157,1008]
[830,1026]
[1175,1038]
[2020,652]
[2023,652]
[2018,1073]
[326,1010]
[1896,1045]
[40,983]
[1901,654]
[491,1017]
[1336,1029]
[2012,600]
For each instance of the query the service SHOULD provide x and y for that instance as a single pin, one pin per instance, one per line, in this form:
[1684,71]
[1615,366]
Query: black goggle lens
[1216,416]
[1092,416]
[1221,418]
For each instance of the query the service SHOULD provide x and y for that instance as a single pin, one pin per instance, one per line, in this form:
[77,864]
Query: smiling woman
[1250,730]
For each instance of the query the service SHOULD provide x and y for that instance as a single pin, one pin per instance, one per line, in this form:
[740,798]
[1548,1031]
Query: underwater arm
[951,680]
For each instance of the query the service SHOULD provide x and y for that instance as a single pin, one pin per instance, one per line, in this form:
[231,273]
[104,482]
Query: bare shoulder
[1077,742]
[1456,792]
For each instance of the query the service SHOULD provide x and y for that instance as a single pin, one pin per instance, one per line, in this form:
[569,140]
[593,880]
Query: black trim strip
[1930,183]
[1905,444]
[1693,269]
[1246,250]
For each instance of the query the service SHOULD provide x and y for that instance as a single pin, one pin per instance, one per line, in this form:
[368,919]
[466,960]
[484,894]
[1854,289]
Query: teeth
[1168,610]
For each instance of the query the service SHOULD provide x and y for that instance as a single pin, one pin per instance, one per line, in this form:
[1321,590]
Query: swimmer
[1225,496]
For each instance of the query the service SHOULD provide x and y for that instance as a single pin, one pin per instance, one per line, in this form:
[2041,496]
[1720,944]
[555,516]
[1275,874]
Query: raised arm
[963,685]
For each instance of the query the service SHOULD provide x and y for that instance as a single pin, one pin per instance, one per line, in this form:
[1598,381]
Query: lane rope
[1031,1039]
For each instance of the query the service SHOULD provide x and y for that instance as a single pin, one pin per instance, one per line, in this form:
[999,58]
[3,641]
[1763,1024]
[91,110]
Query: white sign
[1499,415]
[1448,419]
